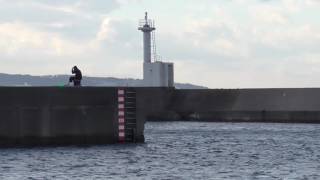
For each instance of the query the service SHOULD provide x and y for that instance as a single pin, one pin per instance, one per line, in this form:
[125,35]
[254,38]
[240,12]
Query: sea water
[180,150]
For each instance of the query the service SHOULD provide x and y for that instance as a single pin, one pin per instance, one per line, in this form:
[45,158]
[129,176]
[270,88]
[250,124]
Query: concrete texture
[296,105]
[89,115]
[59,116]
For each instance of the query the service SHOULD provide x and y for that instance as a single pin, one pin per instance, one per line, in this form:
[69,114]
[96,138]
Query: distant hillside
[60,80]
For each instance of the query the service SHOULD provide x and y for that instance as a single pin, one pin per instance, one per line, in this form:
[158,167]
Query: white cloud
[214,43]
[17,38]
[106,31]
[272,16]
[312,2]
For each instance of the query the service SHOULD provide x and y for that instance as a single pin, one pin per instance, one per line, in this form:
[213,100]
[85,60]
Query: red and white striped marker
[121,115]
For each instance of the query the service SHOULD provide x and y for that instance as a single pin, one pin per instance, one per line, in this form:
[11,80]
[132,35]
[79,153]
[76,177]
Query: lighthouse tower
[146,27]
[155,72]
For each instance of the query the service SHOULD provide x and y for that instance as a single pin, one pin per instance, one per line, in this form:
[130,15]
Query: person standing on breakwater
[76,79]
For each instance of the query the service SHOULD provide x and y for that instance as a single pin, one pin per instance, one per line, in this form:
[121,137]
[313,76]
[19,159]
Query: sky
[213,43]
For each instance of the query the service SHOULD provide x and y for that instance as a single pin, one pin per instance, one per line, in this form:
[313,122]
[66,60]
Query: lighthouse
[155,72]
[147,27]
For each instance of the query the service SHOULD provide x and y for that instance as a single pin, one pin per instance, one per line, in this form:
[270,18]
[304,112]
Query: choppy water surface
[181,150]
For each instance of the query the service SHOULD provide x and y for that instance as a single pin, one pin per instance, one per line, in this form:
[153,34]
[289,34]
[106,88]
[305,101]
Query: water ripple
[181,150]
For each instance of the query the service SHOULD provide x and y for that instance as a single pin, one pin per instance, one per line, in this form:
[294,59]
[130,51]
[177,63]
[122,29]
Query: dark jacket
[77,72]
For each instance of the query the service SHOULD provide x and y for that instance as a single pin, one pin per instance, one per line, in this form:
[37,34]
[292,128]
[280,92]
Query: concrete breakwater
[102,115]
[287,105]
[67,115]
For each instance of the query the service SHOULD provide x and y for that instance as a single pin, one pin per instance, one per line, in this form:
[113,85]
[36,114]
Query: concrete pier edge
[90,115]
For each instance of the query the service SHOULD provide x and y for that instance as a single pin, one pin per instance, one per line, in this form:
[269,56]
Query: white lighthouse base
[158,74]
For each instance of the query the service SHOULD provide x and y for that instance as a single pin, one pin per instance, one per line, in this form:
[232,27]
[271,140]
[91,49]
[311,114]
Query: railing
[149,22]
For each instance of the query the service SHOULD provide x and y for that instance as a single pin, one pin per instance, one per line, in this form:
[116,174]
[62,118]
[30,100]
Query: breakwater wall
[287,105]
[67,115]
[103,115]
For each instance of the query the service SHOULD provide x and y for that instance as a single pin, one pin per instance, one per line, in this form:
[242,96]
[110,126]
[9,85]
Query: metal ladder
[130,115]
[153,44]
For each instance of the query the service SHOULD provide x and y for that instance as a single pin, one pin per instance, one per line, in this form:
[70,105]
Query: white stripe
[121,134]
[121,92]
[121,120]
[120,99]
[121,106]
[121,113]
